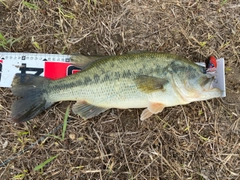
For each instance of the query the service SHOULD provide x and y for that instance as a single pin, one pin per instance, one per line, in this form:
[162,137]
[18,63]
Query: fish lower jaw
[212,93]
[199,95]
[205,95]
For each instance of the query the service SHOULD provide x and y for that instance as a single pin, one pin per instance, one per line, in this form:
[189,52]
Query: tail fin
[30,90]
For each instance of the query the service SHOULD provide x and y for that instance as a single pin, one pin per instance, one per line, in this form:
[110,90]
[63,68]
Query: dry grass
[196,141]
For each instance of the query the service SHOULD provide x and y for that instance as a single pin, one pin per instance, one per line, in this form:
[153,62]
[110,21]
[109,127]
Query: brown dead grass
[196,141]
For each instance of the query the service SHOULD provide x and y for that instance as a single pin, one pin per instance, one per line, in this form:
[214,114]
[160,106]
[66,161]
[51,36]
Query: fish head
[193,83]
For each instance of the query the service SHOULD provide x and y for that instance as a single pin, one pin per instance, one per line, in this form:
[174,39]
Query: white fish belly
[113,96]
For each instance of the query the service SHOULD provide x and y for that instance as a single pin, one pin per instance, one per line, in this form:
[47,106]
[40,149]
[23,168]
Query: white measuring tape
[55,66]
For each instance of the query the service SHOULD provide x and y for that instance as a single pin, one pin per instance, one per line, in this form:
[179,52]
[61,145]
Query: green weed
[202,44]
[3,2]
[65,13]
[65,122]
[224,2]
[40,166]
[201,137]
[36,44]
[64,125]
[20,176]
[7,43]
[30,5]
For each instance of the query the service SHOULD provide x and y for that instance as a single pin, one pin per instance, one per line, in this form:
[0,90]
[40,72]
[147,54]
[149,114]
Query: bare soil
[196,141]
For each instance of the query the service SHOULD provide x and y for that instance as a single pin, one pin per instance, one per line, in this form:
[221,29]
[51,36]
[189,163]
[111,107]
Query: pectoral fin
[86,110]
[156,107]
[153,108]
[150,84]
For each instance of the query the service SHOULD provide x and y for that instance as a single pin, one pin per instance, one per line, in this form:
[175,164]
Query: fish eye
[211,65]
[204,70]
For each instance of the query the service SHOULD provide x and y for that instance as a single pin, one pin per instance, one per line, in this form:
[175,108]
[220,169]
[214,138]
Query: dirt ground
[196,141]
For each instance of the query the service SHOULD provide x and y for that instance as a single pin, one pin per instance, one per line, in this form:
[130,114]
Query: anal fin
[86,110]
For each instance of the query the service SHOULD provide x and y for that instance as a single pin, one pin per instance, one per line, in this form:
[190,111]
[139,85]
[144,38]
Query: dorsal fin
[82,61]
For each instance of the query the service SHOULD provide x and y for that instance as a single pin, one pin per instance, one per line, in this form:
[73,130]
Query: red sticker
[213,62]
[57,70]
[1,61]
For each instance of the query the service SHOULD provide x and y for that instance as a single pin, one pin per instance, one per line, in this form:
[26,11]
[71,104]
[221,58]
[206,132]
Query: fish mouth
[209,91]
[207,83]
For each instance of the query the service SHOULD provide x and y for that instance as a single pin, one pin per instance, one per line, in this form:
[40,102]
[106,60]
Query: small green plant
[65,122]
[200,112]
[4,3]
[30,5]
[20,176]
[65,13]
[201,137]
[187,128]
[7,43]
[64,125]
[23,139]
[40,166]
[36,44]
[22,133]
[224,2]
[202,44]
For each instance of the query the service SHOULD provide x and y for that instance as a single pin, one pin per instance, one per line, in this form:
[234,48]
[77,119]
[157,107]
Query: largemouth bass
[144,80]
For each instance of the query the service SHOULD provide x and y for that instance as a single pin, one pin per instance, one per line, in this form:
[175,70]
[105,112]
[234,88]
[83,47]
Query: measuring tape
[55,66]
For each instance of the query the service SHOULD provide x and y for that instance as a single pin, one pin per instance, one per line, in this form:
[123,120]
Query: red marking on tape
[57,70]
[1,61]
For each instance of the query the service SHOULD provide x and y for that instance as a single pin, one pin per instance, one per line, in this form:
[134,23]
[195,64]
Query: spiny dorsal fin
[150,84]
[82,61]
